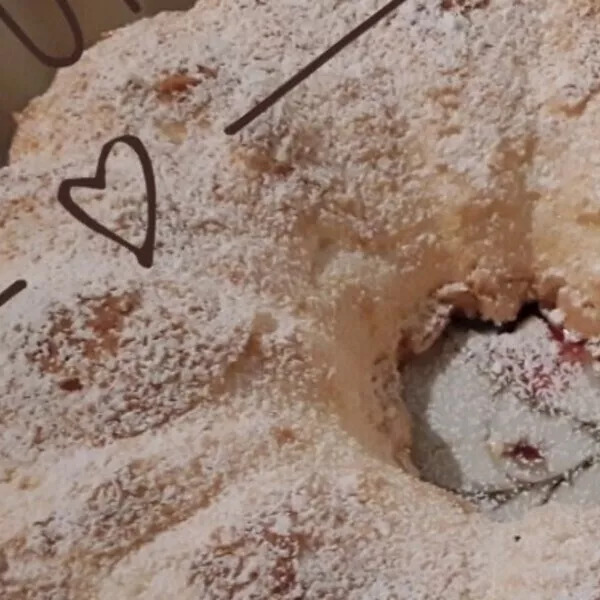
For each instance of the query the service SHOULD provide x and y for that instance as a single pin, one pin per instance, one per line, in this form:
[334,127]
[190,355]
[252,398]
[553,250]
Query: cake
[227,423]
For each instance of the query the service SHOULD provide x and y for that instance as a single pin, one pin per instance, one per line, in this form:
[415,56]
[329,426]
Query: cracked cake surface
[507,417]
[224,424]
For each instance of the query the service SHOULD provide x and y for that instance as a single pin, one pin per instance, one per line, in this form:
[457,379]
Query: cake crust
[224,424]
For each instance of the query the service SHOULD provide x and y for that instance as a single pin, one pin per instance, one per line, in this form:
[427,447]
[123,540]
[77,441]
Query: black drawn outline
[145,252]
[11,291]
[51,61]
[71,18]
[309,69]
[133,5]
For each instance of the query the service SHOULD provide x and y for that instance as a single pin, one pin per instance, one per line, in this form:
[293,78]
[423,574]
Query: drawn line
[10,292]
[318,62]
[133,5]
[51,61]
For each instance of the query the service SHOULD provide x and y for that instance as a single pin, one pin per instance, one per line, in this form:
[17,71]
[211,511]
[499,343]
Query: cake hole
[507,417]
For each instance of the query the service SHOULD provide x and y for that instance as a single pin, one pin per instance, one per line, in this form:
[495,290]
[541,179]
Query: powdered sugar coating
[228,439]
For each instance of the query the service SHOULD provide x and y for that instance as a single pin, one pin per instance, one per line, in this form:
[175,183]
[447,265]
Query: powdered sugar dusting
[213,425]
[508,419]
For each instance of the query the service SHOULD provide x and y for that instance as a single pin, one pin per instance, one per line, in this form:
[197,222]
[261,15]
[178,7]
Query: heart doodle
[145,252]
